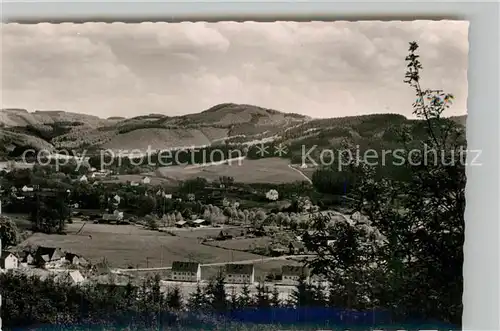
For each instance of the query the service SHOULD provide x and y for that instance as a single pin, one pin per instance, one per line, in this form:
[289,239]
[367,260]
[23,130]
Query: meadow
[126,246]
[267,170]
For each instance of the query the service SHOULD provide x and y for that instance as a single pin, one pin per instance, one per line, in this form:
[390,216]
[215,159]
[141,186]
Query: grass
[241,244]
[268,170]
[198,232]
[130,245]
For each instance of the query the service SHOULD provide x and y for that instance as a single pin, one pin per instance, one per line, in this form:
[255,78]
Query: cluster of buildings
[48,257]
[101,174]
[183,271]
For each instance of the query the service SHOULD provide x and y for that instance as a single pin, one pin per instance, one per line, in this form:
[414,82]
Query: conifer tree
[197,299]
[303,294]
[262,299]
[275,298]
[320,299]
[216,290]
[174,298]
[245,299]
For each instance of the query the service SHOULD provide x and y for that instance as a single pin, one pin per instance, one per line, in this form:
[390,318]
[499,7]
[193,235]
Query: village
[71,268]
[66,265]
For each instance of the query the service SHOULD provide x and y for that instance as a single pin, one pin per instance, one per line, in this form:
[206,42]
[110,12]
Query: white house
[84,179]
[290,274]
[199,222]
[74,259]
[74,277]
[8,261]
[27,189]
[134,184]
[185,271]
[146,180]
[240,273]
[116,216]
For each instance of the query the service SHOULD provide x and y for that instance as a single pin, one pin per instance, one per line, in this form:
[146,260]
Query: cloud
[322,69]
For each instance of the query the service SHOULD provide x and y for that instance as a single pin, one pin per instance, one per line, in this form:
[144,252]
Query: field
[198,232]
[268,170]
[130,246]
[241,244]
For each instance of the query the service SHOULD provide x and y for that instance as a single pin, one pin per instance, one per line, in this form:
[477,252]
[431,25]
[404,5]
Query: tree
[245,299]
[262,299]
[174,298]
[272,195]
[216,291]
[151,222]
[320,299]
[303,294]
[408,255]
[275,298]
[9,233]
[50,214]
[197,299]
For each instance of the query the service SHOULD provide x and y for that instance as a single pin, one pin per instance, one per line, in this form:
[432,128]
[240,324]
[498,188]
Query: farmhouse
[116,216]
[83,179]
[199,222]
[240,273]
[26,258]
[45,255]
[230,234]
[146,180]
[100,174]
[27,189]
[291,274]
[181,224]
[74,259]
[186,271]
[8,261]
[73,277]
[296,247]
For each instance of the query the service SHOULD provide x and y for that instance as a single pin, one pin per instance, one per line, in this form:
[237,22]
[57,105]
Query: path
[301,173]
[227,161]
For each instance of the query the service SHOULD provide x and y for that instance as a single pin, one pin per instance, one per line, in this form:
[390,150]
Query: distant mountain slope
[230,123]
[21,117]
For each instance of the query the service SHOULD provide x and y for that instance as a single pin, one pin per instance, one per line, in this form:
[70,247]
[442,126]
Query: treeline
[47,131]
[29,301]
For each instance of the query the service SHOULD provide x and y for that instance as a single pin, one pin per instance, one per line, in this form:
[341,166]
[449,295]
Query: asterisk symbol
[262,150]
[280,150]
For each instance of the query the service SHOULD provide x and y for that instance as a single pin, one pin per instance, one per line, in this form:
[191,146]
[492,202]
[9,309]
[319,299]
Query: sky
[319,69]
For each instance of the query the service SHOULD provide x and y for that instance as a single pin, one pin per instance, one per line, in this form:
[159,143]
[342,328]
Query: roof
[185,266]
[293,270]
[50,251]
[199,220]
[242,269]
[297,244]
[180,222]
[70,256]
[5,254]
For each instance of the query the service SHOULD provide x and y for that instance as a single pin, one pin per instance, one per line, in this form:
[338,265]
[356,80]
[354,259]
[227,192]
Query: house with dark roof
[240,273]
[185,271]
[296,247]
[290,274]
[74,259]
[26,258]
[48,254]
